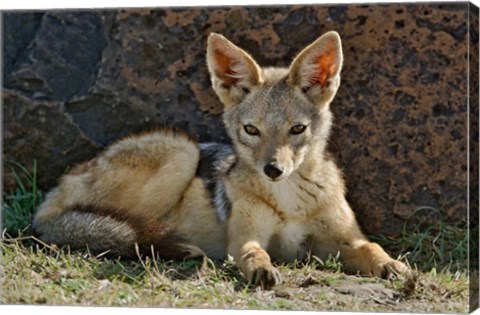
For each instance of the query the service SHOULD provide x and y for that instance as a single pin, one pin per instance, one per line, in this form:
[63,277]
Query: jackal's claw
[392,269]
[266,278]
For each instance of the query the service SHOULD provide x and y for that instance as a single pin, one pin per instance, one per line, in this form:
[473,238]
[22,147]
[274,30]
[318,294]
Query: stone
[76,81]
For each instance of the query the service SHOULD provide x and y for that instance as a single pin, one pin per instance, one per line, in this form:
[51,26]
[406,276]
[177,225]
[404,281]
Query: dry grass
[46,275]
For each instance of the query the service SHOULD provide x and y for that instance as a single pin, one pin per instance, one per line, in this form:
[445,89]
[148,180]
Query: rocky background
[75,81]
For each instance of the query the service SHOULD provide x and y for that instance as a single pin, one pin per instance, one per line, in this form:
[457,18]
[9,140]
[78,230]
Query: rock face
[75,82]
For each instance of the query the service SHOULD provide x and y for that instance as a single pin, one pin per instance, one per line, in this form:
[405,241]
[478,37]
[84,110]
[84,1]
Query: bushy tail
[87,230]
[103,234]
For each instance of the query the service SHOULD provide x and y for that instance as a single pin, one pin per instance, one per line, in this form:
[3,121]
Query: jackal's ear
[233,72]
[316,70]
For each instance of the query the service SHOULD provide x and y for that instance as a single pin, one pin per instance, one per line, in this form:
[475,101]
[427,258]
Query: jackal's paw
[372,260]
[389,269]
[260,272]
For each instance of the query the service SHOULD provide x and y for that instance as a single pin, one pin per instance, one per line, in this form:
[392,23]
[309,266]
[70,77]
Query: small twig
[137,251]
[45,244]
[155,265]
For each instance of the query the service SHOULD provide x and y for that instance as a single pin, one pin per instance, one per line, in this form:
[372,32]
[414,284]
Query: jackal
[275,195]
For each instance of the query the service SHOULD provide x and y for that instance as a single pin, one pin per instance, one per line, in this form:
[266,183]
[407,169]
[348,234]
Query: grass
[19,205]
[37,274]
[437,244]
[48,275]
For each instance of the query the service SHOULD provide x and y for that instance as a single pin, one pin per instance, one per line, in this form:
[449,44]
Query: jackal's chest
[293,198]
[289,242]
[293,203]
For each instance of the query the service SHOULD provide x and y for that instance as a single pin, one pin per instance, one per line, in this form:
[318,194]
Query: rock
[61,60]
[75,81]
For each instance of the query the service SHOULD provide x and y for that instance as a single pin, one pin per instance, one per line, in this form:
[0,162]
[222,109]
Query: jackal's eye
[297,129]
[251,130]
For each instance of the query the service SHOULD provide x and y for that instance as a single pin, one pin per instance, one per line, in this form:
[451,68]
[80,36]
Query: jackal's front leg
[250,227]
[338,232]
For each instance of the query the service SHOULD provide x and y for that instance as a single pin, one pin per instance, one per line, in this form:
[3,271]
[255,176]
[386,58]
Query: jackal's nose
[272,170]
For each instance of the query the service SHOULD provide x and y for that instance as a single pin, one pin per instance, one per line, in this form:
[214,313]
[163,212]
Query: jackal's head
[277,118]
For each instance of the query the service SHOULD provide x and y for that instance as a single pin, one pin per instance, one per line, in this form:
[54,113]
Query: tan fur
[148,184]
[147,181]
